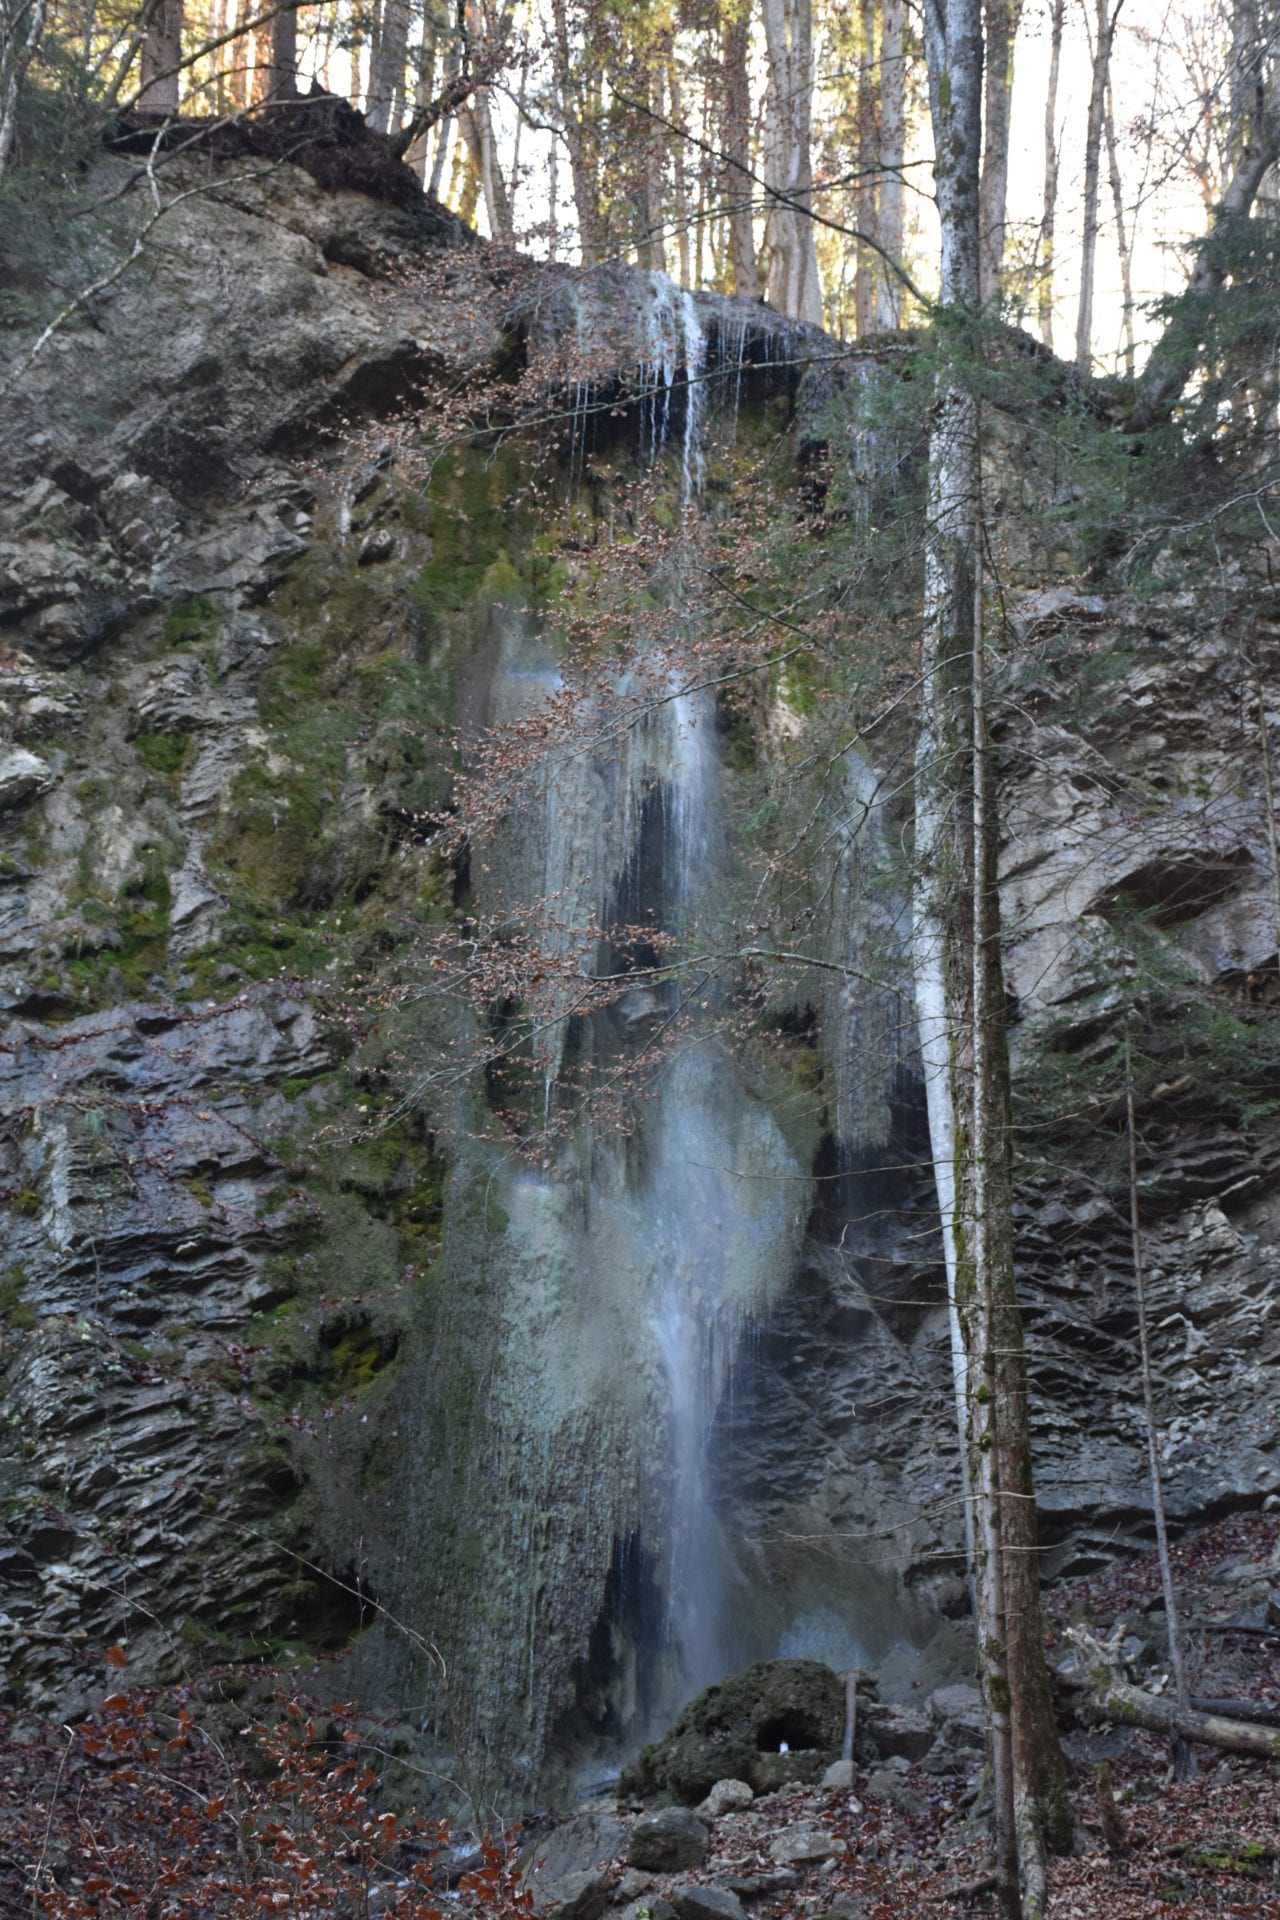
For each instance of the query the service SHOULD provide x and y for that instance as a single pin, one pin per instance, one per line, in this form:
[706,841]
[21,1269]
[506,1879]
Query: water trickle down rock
[629,1267]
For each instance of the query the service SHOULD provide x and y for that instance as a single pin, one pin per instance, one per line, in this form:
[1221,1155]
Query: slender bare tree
[1049,218]
[162,58]
[1106,17]
[1001,21]
[790,254]
[960,998]
[893,153]
[739,185]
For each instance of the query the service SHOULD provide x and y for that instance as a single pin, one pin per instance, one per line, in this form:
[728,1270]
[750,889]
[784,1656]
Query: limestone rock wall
[235,641]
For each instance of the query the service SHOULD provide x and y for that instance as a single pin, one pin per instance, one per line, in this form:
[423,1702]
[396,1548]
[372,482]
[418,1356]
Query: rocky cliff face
[256,1297]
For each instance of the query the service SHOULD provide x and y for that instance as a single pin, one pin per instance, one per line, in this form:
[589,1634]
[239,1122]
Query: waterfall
[624,1272]
[672,336]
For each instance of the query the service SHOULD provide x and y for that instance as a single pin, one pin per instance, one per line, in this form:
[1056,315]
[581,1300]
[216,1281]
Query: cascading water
[609,1276]
[700,1214]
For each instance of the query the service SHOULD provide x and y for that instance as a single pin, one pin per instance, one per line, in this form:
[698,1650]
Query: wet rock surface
[207,1292]
[735,1731]
[667,1840]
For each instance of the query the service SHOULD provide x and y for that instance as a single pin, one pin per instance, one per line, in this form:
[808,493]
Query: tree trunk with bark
[1184,1764]
[1124,242]
[575,117]
[284,55]
[790,255]
[387,67]
[1173,357]
[1001,17]
[960,994]
[1049,219]
[20,37]
[1104,34]
[865,196]
[893,145]
[736,142]
[476,122]
[161,56]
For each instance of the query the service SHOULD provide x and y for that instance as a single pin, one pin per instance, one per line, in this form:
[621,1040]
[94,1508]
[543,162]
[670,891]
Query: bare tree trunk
[960,994]
[464,184]
[679,180]
[735,34]
[1246,86]
[703,240]
[1104,33]
[423,90]
[944,851]
[476,123]
[893,142]
[1123,242]
[19,43]
[239,51]
[865,197]
[1183,1760]
[575,119]
[790,255]
[646,82]
[1174,356]
[1001,18]
[387,67]
[260,78]
[161,55]
[1049,219]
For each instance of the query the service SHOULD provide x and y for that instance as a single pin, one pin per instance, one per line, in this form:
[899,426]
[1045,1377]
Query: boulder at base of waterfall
[727,1796]
[575,1896]
[737,1730]
[957,1713]
[891,1791]
[563,1870]
[707,1903]
[905,1733]
[668,1841]
[804,1846]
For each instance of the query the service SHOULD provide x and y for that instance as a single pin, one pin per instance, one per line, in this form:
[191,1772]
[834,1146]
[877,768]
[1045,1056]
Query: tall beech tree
[960,995]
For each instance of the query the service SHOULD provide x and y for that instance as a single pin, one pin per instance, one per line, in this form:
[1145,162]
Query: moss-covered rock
[736,1730]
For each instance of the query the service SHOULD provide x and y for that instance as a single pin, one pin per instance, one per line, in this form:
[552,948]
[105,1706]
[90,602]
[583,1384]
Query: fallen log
[1255,1710]
[1109,1697]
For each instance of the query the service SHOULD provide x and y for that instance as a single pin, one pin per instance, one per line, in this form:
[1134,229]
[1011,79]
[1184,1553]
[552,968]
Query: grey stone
[668,1840]
[750,1886]
[956,1702]
[653,1906]
[840,1774]
[727,1796]
[583,1841]
[22,775]
[707,1903]
[804,1846]
[892,1791]
[631,1885]
[905,1732]
[581,1895]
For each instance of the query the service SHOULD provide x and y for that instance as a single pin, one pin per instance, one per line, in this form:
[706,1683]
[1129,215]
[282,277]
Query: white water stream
[680,1235]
